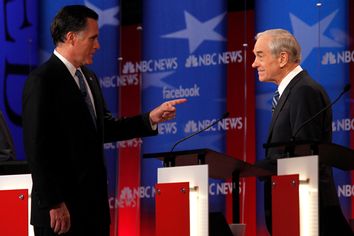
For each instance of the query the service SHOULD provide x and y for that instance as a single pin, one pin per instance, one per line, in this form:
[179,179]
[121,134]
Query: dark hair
[71,18]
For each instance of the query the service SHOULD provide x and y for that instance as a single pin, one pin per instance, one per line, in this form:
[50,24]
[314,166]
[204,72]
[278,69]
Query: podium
[15,190]
[217,165]
[305,162]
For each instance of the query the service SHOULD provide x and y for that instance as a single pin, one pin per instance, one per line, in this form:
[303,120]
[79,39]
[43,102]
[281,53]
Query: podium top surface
[221,166]
[337,156]
[14,167]
[330,154]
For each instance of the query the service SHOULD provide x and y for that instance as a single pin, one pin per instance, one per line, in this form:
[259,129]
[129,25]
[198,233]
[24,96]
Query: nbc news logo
[330,58]
[232,123]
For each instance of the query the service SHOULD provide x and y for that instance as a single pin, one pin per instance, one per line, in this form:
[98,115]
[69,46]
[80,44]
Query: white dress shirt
[72,71]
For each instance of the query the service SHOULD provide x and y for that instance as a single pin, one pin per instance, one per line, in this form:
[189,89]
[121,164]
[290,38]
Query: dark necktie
[85,95]
[275,100]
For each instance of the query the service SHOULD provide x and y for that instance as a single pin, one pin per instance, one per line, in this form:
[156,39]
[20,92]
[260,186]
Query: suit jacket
[301,100]
[65,149]
[7,149]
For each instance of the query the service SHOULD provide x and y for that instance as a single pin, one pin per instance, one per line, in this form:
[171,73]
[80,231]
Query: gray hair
[282,40]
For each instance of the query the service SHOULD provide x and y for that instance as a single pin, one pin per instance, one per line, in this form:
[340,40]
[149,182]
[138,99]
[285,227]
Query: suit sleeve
[42,141]
[124,128]
[116,129]
[308,101]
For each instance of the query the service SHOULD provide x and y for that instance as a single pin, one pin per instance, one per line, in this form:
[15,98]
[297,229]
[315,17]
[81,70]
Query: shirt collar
[284,83]
[68,65]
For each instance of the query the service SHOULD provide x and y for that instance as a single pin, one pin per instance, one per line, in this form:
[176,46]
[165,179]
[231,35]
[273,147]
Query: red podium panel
[172,209]
[285,205]
[14,212]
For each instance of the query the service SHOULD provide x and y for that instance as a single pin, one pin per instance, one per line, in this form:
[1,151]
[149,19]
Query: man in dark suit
[65,123]
[298,98]
[7,149]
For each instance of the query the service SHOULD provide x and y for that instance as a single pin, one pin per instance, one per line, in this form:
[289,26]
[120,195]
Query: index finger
[177,101]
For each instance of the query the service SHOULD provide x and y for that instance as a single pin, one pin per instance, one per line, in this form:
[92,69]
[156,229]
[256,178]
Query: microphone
[345,89]
[226,114]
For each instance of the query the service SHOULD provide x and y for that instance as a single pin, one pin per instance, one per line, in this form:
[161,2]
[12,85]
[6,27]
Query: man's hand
[166,111]
[60,219]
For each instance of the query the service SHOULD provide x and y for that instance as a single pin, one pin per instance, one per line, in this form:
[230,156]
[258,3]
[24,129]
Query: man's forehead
[261,45]
[258,49]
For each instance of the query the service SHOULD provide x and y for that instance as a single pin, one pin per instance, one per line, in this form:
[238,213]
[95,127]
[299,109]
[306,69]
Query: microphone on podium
[226,114]
[345,89]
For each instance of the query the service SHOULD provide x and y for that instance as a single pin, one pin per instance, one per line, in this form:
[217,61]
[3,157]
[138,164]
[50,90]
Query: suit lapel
[65,74]
[284,97]
[71,86]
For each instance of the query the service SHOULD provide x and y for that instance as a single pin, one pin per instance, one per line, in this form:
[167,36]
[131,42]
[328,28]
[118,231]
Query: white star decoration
[197,32]
[155,79]
[308,37]
[106,17]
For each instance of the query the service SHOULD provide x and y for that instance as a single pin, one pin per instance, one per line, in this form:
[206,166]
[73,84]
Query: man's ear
[70,37]
[283,59]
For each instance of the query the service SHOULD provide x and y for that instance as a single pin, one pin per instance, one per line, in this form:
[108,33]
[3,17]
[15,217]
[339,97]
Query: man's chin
[261,79]
[88,62]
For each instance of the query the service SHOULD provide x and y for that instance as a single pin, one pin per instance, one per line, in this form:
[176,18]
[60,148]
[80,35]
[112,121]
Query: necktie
[85,95]
[275,99]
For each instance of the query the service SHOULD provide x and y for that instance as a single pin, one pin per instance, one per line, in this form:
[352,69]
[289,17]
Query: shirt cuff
[153,126]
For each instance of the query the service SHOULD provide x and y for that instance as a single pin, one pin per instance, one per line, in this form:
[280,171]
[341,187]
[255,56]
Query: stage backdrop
[154,51]
[195,50]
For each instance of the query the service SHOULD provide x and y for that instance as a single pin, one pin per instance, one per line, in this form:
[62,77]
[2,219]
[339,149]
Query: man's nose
[254,64]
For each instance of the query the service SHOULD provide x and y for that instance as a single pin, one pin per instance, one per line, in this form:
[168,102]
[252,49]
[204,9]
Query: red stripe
[128,175]
[240,103]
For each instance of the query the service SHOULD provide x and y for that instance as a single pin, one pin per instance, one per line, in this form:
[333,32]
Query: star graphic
[308,37]
[197,32]
[155,79]
[106,17]
[339,35]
